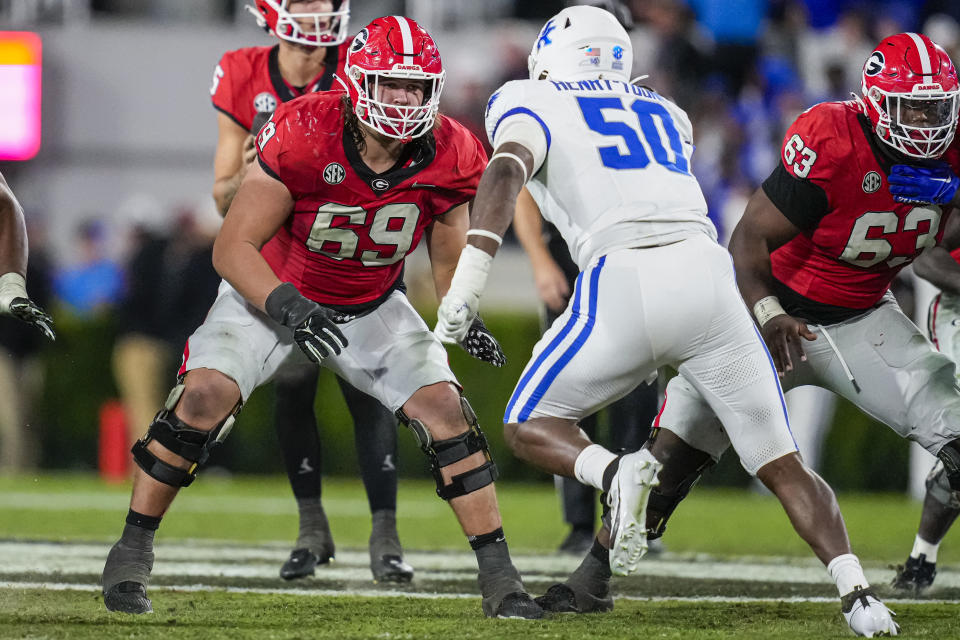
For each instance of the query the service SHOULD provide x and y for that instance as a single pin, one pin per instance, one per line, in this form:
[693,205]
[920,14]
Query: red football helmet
[394,47]
[910,93]
[316,28]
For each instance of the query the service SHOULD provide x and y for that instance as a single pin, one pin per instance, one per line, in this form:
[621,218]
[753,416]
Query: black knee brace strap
[664,505]
[178,437]
[949,455]
[443,453]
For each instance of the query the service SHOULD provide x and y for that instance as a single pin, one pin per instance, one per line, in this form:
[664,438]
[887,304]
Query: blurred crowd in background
[742,69]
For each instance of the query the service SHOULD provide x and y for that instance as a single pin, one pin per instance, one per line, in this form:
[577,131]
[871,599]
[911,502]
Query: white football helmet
[581,42]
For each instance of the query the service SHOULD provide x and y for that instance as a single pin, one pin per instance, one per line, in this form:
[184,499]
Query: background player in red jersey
[941,503]
[14,300]
[311,252]
[248,84]
[861,190]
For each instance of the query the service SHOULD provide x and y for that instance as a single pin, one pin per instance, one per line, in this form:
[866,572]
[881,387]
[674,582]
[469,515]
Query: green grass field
[733,567]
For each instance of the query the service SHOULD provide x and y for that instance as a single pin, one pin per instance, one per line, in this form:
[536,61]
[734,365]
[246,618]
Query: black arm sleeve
[802,202]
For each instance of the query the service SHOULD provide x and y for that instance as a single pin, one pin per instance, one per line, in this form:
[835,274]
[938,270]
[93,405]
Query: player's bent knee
[206,397]
[512,434]
[173,434]
[448,451]
[938,487]
[949,456]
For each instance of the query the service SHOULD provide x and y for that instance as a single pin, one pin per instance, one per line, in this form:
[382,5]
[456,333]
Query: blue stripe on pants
[568,355]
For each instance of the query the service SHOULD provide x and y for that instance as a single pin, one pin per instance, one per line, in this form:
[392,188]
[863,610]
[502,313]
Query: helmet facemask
[403,122]
[324,28]
[921,124]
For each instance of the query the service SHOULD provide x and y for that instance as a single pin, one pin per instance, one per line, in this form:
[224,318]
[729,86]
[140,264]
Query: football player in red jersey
[248,84]
[863,187]
[941,504]
[311,252]
[14,300]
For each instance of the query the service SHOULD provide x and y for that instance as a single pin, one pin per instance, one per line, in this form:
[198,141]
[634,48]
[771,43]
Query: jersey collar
[322,82]
[415,158]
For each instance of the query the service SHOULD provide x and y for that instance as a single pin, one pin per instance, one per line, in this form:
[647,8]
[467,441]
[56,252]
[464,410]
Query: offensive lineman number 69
[392,226]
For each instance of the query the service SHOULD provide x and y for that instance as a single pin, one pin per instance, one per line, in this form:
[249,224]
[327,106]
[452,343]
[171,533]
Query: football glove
[934,184]
[454,316]
[313,327]
[459,306]
[481,344]
[15,302]
[28,311]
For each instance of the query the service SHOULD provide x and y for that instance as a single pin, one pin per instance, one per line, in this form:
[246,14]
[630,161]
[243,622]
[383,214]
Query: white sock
[847,573]
[590,465]
[921,546]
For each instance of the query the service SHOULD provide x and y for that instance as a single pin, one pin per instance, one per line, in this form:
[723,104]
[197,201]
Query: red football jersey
[351,228]
[832,183]
[248,80]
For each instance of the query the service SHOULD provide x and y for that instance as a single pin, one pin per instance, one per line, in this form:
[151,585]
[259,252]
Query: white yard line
[196,560]
[395,593]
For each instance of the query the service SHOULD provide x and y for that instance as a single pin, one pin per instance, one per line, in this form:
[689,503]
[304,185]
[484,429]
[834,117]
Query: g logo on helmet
[359,40]
[874,64]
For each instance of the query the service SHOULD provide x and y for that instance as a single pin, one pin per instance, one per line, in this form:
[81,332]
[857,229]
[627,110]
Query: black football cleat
[915,575]
[127,597]
[391,568]
[518,606]
[302,563]
[562,598]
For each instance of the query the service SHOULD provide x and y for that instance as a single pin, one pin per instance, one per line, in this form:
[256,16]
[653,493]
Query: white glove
[455,315]
[867,616]
[459,307]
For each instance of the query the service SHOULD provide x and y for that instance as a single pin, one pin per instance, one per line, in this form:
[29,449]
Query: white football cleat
[627,498]
[866,615]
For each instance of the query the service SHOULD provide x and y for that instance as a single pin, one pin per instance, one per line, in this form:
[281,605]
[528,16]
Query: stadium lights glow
[20,71]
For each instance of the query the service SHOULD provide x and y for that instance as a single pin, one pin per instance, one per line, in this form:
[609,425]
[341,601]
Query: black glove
[314,330]
[28,311]
[481,344]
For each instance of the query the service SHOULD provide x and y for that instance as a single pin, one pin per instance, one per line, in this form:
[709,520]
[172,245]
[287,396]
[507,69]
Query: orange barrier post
[113,453]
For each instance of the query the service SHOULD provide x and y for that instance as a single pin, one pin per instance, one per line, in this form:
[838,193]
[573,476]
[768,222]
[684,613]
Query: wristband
[12,285]
[485,234]
[767,308]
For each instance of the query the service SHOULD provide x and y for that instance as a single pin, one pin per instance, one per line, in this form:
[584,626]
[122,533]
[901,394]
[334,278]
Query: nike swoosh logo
[420,185]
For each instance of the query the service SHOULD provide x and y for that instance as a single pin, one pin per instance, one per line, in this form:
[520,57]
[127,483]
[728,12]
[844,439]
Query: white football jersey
[617,170]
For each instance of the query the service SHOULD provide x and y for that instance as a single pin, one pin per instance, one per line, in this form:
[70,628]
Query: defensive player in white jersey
[608,163]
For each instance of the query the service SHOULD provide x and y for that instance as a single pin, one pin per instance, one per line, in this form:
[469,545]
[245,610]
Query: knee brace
[949,455]
[661,506]
[443,453]
[178,437]
[938,487]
